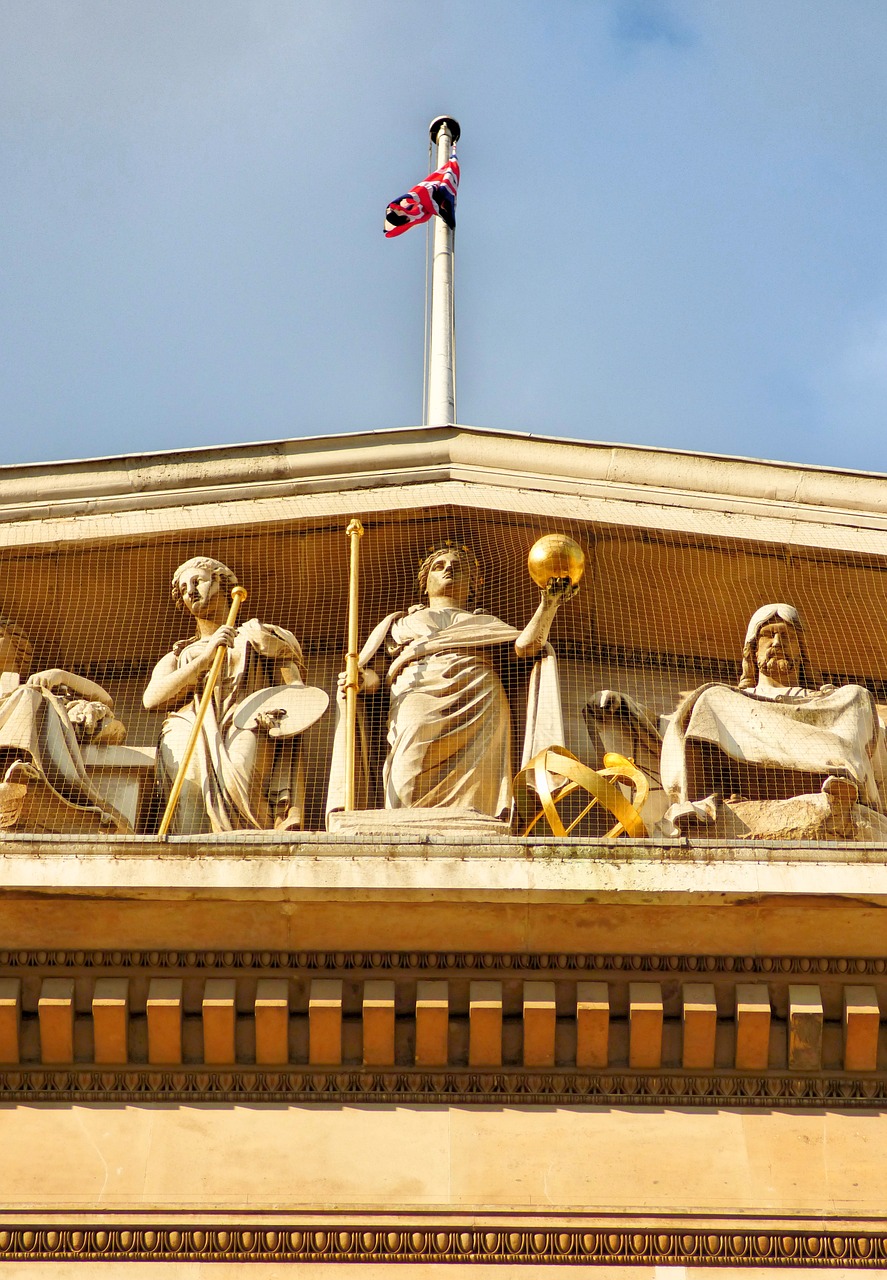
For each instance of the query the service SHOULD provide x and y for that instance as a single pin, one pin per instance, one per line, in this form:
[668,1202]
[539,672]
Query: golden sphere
[555,556]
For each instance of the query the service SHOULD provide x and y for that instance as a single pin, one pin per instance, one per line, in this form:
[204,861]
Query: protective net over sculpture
[674,686]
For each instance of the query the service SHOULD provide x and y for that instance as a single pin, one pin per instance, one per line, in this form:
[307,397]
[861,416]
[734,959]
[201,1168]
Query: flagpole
[440,405]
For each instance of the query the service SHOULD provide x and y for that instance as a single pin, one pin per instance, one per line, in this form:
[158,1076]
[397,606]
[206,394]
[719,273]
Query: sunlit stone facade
[421,1042]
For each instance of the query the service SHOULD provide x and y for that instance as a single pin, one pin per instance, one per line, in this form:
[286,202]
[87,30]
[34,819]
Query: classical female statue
[449,721]
[43,723]
[245,771]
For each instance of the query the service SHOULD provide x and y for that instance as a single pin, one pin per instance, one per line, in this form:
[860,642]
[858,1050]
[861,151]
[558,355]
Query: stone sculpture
[777,756]
[44,786]
[246,770]
[449,720]
[782,758]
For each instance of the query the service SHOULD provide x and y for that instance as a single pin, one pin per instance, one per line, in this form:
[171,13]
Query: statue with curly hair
[246,771]
[449,734]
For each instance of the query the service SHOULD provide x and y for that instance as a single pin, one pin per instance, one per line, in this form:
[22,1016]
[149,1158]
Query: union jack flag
[436,194]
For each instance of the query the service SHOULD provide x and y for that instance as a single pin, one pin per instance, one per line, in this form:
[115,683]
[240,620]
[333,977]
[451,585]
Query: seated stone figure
[245,772]
[43,723]
[775,757]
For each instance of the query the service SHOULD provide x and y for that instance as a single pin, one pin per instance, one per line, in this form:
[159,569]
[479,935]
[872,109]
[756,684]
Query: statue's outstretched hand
[560,589]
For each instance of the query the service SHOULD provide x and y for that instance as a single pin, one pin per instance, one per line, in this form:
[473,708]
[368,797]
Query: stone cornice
[327,867]
[418,456]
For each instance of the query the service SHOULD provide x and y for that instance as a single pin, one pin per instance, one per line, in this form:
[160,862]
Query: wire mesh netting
[104,666]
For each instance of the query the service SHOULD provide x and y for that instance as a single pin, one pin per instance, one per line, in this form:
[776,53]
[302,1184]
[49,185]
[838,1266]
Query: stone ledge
[509,870]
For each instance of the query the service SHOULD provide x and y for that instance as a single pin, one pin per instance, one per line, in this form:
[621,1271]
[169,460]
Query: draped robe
[793,740]
[34,727]
[449,722]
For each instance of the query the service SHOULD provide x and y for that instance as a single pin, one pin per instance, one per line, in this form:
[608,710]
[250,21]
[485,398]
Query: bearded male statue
[780,756]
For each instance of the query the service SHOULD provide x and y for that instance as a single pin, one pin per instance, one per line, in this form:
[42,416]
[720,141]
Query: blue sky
[672,221]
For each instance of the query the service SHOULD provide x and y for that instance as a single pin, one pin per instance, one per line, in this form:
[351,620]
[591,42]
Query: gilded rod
[238,595]
[354,533]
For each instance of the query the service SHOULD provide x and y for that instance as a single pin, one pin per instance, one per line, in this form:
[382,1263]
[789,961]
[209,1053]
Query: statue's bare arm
[535,634]
[169,681]
[54,677]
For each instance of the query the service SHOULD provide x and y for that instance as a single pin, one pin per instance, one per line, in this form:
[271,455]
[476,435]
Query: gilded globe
[555,556]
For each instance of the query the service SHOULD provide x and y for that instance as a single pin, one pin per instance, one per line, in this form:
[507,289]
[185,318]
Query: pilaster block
[700,1025]
[862,1022]
[110,1021]
[10,1019]
[325,1022]
[55,1009]
[164,1010]
[219,1020]
[432,1023]
[485,1024]
[540,1024]
[804,1028]
[752,1026]
[378,1023]
[272,1011]
[592,1024]
[645,1025]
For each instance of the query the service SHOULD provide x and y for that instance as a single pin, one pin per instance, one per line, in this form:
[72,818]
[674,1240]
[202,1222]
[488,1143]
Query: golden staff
[354,533]
[238,595]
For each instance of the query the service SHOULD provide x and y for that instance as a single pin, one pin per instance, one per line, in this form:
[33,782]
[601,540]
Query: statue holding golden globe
[556,558]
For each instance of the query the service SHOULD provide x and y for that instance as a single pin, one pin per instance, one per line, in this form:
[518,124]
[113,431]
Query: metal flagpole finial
[452,126]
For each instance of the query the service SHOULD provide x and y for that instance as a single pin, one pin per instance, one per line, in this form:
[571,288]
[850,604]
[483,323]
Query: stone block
[645,1025]
[164,1011]
[862,1022]
[592,1024]
[325,1022]
[540,1024]
[55,1009]
[432,1023]
[804,1028]
[219,1020]
[700,1025]
[110,1021]
[378,1022]
[752,1026]
[272,1012]
[10,1019]
[485,1024]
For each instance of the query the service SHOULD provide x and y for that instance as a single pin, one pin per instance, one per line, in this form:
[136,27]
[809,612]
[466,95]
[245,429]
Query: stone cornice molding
[625,965]
[452,1086]
[415,457]
[618,1241]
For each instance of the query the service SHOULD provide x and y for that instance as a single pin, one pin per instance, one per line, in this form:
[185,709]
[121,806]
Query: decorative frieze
[451,962]
[512,1086]
[612,1242]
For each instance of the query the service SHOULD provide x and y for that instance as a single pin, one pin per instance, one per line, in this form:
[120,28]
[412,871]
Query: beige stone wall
[419,1161]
